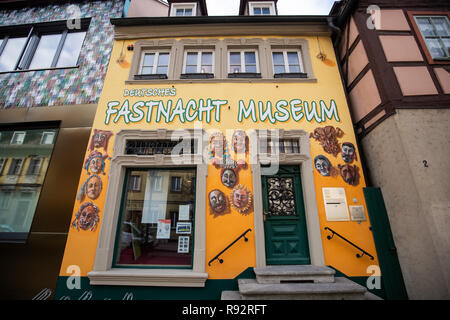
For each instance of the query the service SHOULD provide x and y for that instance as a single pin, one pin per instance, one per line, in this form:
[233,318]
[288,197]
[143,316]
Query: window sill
[149,277]
[43,69]
[292,75]
[197,76]
[244,75]
[150,76]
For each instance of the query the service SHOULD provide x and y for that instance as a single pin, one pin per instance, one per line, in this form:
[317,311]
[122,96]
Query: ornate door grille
[281,196]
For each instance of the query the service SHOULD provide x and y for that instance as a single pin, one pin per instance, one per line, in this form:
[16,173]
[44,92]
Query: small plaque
[357,213]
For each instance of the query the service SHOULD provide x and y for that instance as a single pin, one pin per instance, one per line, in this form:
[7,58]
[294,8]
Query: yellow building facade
[269,161]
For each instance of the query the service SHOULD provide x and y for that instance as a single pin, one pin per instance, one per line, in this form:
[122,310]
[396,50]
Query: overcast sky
[285,7]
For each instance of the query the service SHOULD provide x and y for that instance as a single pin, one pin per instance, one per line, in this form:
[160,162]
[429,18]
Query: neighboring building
[243,96]
[395,57]
[53,60]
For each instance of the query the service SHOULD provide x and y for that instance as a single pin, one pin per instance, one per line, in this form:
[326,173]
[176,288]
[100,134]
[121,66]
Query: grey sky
[285,7]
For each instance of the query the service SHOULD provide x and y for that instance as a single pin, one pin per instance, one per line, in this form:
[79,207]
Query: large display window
[156,218]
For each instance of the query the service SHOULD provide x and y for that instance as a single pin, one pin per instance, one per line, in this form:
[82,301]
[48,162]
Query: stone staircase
[298,282]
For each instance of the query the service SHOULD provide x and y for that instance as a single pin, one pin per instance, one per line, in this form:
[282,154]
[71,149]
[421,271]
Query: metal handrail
[217,256]
[357,255]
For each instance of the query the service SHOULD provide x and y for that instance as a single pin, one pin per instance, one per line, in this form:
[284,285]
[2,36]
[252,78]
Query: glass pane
[71,49]
[278,58]
[188,12]
[250,58]
[11,53]
[206,69]
[162,70]
[147,70]
[191,58]
[435,48]
[180,12]
[279,69]
[163,59]
[156,227]
[447,46]
[441,25]
[425,27]
[149,59]
[23,174]
[235,58]
[191,69]
[45,51]
[207,58]
[293,58]
[294,69]
[256,11]
[265,11]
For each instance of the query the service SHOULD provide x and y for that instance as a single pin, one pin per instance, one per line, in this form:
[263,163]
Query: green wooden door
[286,239]
[391,273]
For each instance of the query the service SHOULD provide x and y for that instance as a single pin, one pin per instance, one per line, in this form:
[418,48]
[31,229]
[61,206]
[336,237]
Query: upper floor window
[243,63]
[18,137]
[154,65]
[435,31]
[43,47]
[287,63]
[183,9]
[198,63]
[261,8]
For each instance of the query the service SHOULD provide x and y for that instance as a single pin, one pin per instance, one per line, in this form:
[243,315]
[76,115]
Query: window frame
[155,64]
[288,73]
[243,73]
[38,166]
[184,6]
[33,34]
[20,167]
[17,133]
[52,133]
[438,37]
[252,5]
[104,272]
[421,39]
[198,73]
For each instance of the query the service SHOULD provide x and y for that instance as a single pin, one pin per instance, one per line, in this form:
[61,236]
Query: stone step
[341,289]
[294,273]
[230,295]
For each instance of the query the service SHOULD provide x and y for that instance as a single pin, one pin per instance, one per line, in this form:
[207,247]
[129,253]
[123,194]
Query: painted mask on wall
[217,201]
[87,217]
[239,141]
[349,173]
[241,198]
[348,152]
[322,165]
[95,162]
[229,177]
[100,139]
[91,188]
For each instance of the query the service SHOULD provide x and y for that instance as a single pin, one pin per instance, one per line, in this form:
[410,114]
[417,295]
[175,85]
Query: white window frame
[50,133]
[199,52]
[183,5]
[266,4]
[155,61]
[175,187]
[14,136]
[242,52]
[104,273]
[286,61]
[39,166]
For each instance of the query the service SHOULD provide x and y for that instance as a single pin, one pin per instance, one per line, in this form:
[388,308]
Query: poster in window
[183,244]
[163,229]
[183,212]
[184,228]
